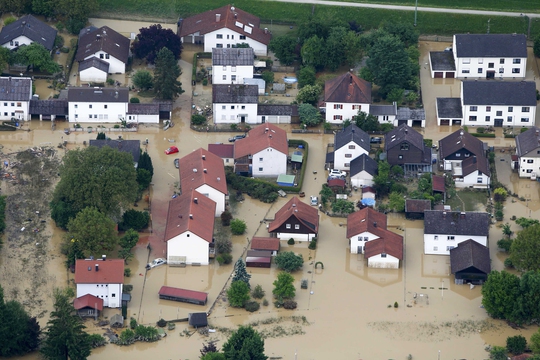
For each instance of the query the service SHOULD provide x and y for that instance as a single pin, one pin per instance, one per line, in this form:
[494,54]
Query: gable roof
[378,110]
[306,214]
[201,167]
[110,271]
[88,300]
[485,92]
[348,88]
[364,220]
[403,133]
[192,212]
[229,17]
[468,254]
[438,183]
[143,109]
[15,89]
[417,206]
[470,223]
[490,45]
[130,146]
[103,39]
[222,150]
[235,94]
[389,243]
[473,163]
[528,141]
[32,28]
[232,57]
[335,182]
[265,243]
[262,137]
[364,162]
[48,107]
[458,140]
[94,62]
[404,113]
[96,95]
[351,133]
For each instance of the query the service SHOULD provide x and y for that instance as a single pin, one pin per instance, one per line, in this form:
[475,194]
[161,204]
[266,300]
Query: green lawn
[474,200]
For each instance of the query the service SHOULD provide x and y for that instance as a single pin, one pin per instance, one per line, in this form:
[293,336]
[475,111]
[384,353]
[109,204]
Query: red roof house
[266,243]
[296,220]
[102,278]
[224,151]
[88,305]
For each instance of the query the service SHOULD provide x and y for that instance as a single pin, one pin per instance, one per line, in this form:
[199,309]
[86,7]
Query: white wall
[439,246]
[273,163]
[224,74]
[274,119]
[339,155]
[230,38]
[14,109]
[187,244]
[529,165]
[93,75]
[387,119]
[226,114]
[20,40]
[81,111]
[149,119]
[358,240]
[217,196]
[103,291]
[472,180]
[115,66]
[296,236]
[388,262]
[515,115]
[363,178]
[347,111]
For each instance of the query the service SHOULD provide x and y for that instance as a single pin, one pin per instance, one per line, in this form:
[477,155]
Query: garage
[442,64]
[438,75]
[450,74]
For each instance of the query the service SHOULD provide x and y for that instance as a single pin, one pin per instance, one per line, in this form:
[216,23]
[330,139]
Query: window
[243,107]
[529,171]
[530,161]
[501,61]
[479,180]
[260,169]
[515,70]
[338,117]
[488,119]
[101,117]
[90,106]
[347,164]
[232,107]
[488,108]
[474,108]
[435,248]
[480,61]
[458,154]
[233,77]
[499,113]
[95,116]
[516,61]
[480,70]
[223,107]
[501,70]
[105,117]
[105,106]
[219,36]
[448,248]
[466,61]
[385,117]
[219,46]
[404,146]
[223,117]
[242,37]
[16,43]
[510,109]
[472,118]
[450,237]
[19,105]
[260,159]
[224,77]
[12,104]
[383,255]
[76,116]
[113,295]
[297,226]
[465,71]
[232,36]
[400,157]
[338,106]
[287,226]
[366,238]
[357,107]
[11,43]
[524,119]
[352,147]
[5,114]
[101,56]
[467,155]
[525,109]
[106,56]
[348,155]
[233,68]
[76,106]
[227,36]
[436,237]
[491,65]
[232,117]
[509,119]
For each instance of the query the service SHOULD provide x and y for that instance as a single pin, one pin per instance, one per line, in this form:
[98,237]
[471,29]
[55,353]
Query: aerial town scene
[284,179]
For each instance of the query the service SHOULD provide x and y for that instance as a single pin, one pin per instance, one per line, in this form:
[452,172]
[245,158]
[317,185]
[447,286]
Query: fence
[285,69]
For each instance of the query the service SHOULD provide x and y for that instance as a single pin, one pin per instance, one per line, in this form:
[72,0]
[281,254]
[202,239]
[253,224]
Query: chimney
[89,268]
[116,94]
[235,15]
[195,200]
[204,157]
[98,37]
[462,215]
[406,131]
[266,130]
[218,179]
[444,214]
[374,224]
[191,216]
[218,17]
[293,205]
[350,80]
[97,267]
[10,78]
[103,257]
[205,171]
[229,89]
[266,30]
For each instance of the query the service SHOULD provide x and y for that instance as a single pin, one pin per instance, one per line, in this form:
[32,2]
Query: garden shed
[470,262]
[197,320]
[259,261]
[183,295]
[285,180]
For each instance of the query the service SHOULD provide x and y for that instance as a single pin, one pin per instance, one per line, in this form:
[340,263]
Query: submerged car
[237,137]
[171,150]
[314,201]
[156,262]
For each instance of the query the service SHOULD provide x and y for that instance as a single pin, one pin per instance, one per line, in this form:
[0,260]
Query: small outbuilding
[414,208]
[266,243]
[442,64]
[117,321]
[183,295]
[278,88]
[198,320]
[258,258]
[88,305]
[285,180]
[470,262]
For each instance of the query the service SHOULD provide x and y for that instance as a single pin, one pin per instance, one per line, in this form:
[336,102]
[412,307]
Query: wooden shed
[88,305]
[257,258]
[183,295]
[414,208]
[470,262]
[197,320]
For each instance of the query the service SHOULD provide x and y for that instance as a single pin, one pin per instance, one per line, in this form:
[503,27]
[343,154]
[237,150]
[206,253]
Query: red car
[171,150]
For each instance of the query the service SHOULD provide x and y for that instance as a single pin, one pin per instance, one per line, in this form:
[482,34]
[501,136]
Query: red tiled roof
[367,189]
[364,220]
[111,271]
[205,23]
[262,137]
[202,213]
[348,88]
[306,214]
[336,182]
[265,243]
[438,183]
[389,243]
[202,167]
[521,357]
[88,300]
[222,150]
[183,293]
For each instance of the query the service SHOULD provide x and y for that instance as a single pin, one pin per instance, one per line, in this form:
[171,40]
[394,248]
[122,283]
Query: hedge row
[299,180]
[489,135]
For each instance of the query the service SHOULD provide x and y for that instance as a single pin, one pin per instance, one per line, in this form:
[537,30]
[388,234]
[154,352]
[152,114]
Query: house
[262,153]
[386,114]
[224,151]
[198,320]
[490,55]
[349,144]
[337,185]
[345,96]
[444,230]
[362,171]
[296,220]
[528,153]
[411,117]
[88,305]
[276,113]
[235,103]
[224,27]
[498,103]
[143,113]
[414,208]
[442,64]
[202,171]
[232,66]
[260,83]
[102,278]
[458,146]
[189,229]
[474,172]
[405,147]
[449,111]
[49,109]
[470,262]
[103,45]
[25,31]
[132,147]
[367,233]
[15,96]
[265,244]
[97,105]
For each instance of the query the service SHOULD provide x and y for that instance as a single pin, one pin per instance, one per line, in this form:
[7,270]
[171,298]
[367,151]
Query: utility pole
[415,11]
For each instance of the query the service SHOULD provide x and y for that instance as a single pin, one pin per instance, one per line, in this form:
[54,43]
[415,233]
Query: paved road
[411,8]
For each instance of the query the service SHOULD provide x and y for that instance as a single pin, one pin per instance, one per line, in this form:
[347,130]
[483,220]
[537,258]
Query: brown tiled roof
[103,39]
[202,167]
[336,182]
[370,189]
[389,243]
[365,220]
[262,137]
[111,271]
[438,183]
[468,254]
[473,163]
[205,23]
[417,206]
[187,215]
[306,214]
[458,140]
[222,150]
[88,300]
[348,88]
[265,243]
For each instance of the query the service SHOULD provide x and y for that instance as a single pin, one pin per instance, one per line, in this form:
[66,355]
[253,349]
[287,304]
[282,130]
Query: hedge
[295,189]
[201,55]
[509,136]
[489,135]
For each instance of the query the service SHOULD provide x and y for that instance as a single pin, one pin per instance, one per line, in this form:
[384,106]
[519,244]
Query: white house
[276,113]
[143,113]
[458,146]
[386,114]
[190,228]
[97,105]
[368,235]
[224,27]
[15,96]
[528,153]
[25,31]
[232,66]
[474,173]
[235,103]
[490,56]
[443,230]
[296,220]
[94,69]
[344,96]
[204,172]
[349,144]
[362,171]
[102,278]
[262,153]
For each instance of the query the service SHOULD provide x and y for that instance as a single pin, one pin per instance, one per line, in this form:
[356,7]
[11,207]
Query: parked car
[177,163]
[156,262]
[237,137]
[313,200]
[334,173]
[375,140]
[171,150]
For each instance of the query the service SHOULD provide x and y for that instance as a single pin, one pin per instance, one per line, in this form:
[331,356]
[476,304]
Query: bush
[396,305]
[258,292]
[143,79]
[252,306]
[197,119]
[223,245]
[134,100]
[97,340]
[133,219]
[291,241]
[505,244]
[238,227]
[500,194]
[161,323]
[127,272]
[133,323]
[516,344]
[497,353]
[110,81]
[238,293]
[128,288]
[499,215]
[508,263]
[312,244]
[205,82]
[289,261]
[224,259]
[289,304]
[480,130]
[265,302]
[226,218]
[9,20]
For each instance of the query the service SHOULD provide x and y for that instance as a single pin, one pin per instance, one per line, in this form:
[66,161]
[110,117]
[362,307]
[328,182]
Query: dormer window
[404,146]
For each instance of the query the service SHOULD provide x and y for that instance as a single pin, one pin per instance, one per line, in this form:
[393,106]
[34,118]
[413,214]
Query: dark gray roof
[442,61]
[528,141]
[417,206]
[403,133]
[287,110]
[143,109]
[199,319]
[48,107]
[235,94]
[449,108]
[164,105]
[15,89]
[468,254]
[87,30]
[232,57]
[130,146]
[364,162]
[491,45]
[473,163]
[351,133]
[32,28]
[377,110]
[517,93]
[94,62]
[89,94]
[457,140]
[103,39]
[404,113]
[455,223]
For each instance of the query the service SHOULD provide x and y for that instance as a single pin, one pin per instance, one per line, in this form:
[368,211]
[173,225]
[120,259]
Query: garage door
[450,74]
[438,74]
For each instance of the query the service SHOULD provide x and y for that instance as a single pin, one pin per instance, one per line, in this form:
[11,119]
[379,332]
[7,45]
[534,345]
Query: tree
[341,206]
[525,250]
[289,261]
[143,79]
[133,219]
[500,194]
[352,49]
[309,94]
[145,162]
[43,7]
[326,194]
[65,336]
[500,293]
[93,231]
[226,218]
[209,347]
[76,12]
[4,57]
[397,202]
[382,181]
[334,49]
[311,52]
[536,46]
[144,178]
[101,136]
[526,309]
[240,273]
[15,6]
[306,76]
[506,230]
[283,286]
[526,222]
[516,344]
[128,242]
[497,353]
[238,227]
[366,122]
[405,32]
[214,356]
[309,115]
[395,95]
[534,342]
[238,293]
[166,74]
[268,77]
[36,55]
[283,48]
[244,344]
[152,39]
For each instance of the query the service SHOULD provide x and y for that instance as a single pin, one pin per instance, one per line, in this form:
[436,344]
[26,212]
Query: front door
[490,74]
[242,119]
[359,250]
[498,122]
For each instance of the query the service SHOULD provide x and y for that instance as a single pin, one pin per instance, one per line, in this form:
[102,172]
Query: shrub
[162,323]
[508,263]
[128,288]
[505,244]
[499,215]
[134,100]
[110,81]
[224,259]
[516,344]
[9,20]
[265,302]
[205,82]
[226,218]
[312,244]
[500,194]
[480,130]
[133,219]
[396,305]
[133,323]
[291,241]
[127,337]
[252,306]
[223,245]
[238,293]
[258,292]
[238,227]
[127,272]
[289,304]
[289,261]
[96,340]
[197,119]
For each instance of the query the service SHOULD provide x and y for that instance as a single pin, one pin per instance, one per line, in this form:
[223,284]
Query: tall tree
[306,76]
[238,293]
[245,344]
[36,55]
[15,6]
[526,307]
[93,231]
[240,273]
[152,39]
[76,13]
[145,162]
[500,292]
[289,261]
[352,48]
[309,94]
[366,122]
[405,32]
[283,286]
[166,74]
[309,115]
[283,47]
[43,7]
[128,242]
[334,49]
[525,250]
[313,52]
